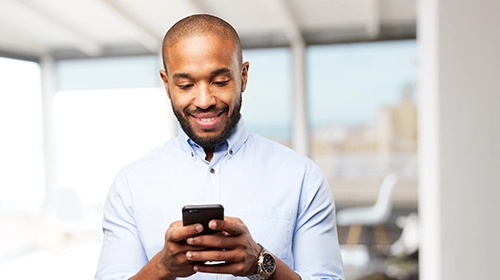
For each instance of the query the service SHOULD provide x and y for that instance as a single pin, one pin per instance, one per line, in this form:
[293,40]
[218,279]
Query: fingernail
[199,228]
[195,268]
[212,224]
[189,240]
[189,255]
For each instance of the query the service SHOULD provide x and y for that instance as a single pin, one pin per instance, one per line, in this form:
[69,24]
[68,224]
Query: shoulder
[273,150]
[265,143]
[155,157]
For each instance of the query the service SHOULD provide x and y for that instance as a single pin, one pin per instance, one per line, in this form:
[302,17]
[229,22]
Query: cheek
[179,102]
[235,103]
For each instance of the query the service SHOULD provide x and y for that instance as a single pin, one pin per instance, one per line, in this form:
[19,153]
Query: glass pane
[101,131]
[363,117]
[21,150]
[267,100]
[22,179]
[109,73]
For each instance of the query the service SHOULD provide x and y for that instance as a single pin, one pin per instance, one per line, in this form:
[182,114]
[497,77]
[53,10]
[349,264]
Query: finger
[233,219]
[220,268]
[216,241]
[177,234]
[211,256]
[231,226]
[176,224]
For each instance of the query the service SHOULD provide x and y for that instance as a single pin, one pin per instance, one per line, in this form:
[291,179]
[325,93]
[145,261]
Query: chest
[265,198]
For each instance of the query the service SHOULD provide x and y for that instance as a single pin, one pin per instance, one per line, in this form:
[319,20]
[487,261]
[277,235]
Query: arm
[171,261]
[122,253]
[236,248]
[315,245]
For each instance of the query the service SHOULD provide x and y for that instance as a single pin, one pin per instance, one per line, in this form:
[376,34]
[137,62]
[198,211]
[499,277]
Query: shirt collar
[234,142]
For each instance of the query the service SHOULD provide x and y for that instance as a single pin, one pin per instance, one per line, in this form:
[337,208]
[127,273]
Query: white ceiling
[92,28]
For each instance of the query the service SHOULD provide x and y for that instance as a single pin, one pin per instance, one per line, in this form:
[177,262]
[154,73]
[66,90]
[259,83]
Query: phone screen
[202,214]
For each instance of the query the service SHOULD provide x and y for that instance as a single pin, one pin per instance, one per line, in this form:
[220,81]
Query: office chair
[375,215]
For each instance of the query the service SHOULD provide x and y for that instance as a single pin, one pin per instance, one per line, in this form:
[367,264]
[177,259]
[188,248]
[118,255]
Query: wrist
[153,270]
[266,265]
[162,273]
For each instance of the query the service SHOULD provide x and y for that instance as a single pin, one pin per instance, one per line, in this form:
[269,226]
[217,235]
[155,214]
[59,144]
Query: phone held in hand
[202,214]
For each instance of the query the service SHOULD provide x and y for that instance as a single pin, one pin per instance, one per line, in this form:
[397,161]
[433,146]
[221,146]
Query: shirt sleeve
[122,254]
[315,245]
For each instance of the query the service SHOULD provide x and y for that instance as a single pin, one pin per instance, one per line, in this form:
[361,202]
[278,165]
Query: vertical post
[300,129]
[429,189]
[373,22]
[459,134]
[49,86]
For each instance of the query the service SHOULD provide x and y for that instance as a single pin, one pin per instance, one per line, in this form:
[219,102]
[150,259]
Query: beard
[209,141]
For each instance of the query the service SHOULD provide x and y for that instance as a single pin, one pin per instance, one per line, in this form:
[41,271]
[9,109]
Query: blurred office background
[403,123]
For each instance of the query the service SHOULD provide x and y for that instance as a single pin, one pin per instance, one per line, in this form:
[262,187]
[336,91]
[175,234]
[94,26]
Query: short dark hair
[201,24]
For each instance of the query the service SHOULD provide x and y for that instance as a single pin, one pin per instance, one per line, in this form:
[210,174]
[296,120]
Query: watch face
[268,264]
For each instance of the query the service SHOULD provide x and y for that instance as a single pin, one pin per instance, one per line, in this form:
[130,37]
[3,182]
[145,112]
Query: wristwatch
[266,266]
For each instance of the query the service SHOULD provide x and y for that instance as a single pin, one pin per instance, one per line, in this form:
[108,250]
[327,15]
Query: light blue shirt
[282,197]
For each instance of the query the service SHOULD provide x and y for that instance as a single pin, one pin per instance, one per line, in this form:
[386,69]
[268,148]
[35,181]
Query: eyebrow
[219,71]
[181,75]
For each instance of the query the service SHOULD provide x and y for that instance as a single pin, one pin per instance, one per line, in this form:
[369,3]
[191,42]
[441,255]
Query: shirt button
[231,152]
[212,170]
[192,154]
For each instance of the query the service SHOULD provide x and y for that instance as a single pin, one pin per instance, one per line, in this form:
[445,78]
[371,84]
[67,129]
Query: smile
[207,120]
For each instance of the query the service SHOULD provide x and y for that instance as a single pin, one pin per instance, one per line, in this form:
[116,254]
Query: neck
[209,153]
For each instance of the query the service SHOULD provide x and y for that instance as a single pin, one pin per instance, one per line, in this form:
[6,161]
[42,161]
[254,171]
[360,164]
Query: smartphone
[202,214]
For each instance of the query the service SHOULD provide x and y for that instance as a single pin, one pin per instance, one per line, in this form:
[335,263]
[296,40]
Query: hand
[173,254]
[234,246]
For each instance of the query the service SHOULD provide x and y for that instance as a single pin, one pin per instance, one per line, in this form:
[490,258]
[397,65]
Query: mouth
[207,122]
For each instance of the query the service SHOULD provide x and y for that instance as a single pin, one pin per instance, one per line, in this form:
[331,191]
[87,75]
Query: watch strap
[260,274]
[256,277]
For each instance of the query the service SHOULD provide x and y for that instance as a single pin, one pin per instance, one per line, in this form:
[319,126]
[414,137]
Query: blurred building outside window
[363,118]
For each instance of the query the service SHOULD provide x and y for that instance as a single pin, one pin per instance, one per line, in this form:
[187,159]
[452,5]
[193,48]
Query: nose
[204,97]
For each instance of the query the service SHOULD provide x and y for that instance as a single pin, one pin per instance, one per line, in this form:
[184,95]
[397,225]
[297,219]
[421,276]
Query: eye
[185,86]
[221,83]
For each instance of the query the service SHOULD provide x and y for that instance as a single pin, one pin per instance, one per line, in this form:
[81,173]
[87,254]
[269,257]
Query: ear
[244,75]
[164,78]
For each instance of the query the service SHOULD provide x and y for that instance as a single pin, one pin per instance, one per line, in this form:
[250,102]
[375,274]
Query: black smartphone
[202,214]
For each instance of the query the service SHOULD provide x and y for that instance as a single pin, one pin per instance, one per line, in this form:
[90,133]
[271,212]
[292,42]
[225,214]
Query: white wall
[459,139]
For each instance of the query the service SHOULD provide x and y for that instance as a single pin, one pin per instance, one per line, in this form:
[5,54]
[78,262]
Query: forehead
[198,52]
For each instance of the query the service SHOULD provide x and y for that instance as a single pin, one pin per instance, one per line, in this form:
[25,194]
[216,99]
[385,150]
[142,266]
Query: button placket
[214,178]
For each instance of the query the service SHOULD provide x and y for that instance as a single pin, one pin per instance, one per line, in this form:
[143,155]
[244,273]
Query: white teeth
[206,120]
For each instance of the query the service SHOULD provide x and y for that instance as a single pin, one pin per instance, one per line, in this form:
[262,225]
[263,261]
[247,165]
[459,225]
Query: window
[98,132]
[363,116]
[21,143]
[267,100]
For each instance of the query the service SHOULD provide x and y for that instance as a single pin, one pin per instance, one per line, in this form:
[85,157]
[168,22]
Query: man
[270,194]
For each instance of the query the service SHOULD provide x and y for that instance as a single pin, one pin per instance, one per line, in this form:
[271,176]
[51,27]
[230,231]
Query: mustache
[211,109]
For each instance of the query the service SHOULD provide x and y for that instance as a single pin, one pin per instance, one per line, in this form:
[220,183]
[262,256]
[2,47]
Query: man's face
[204,83]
